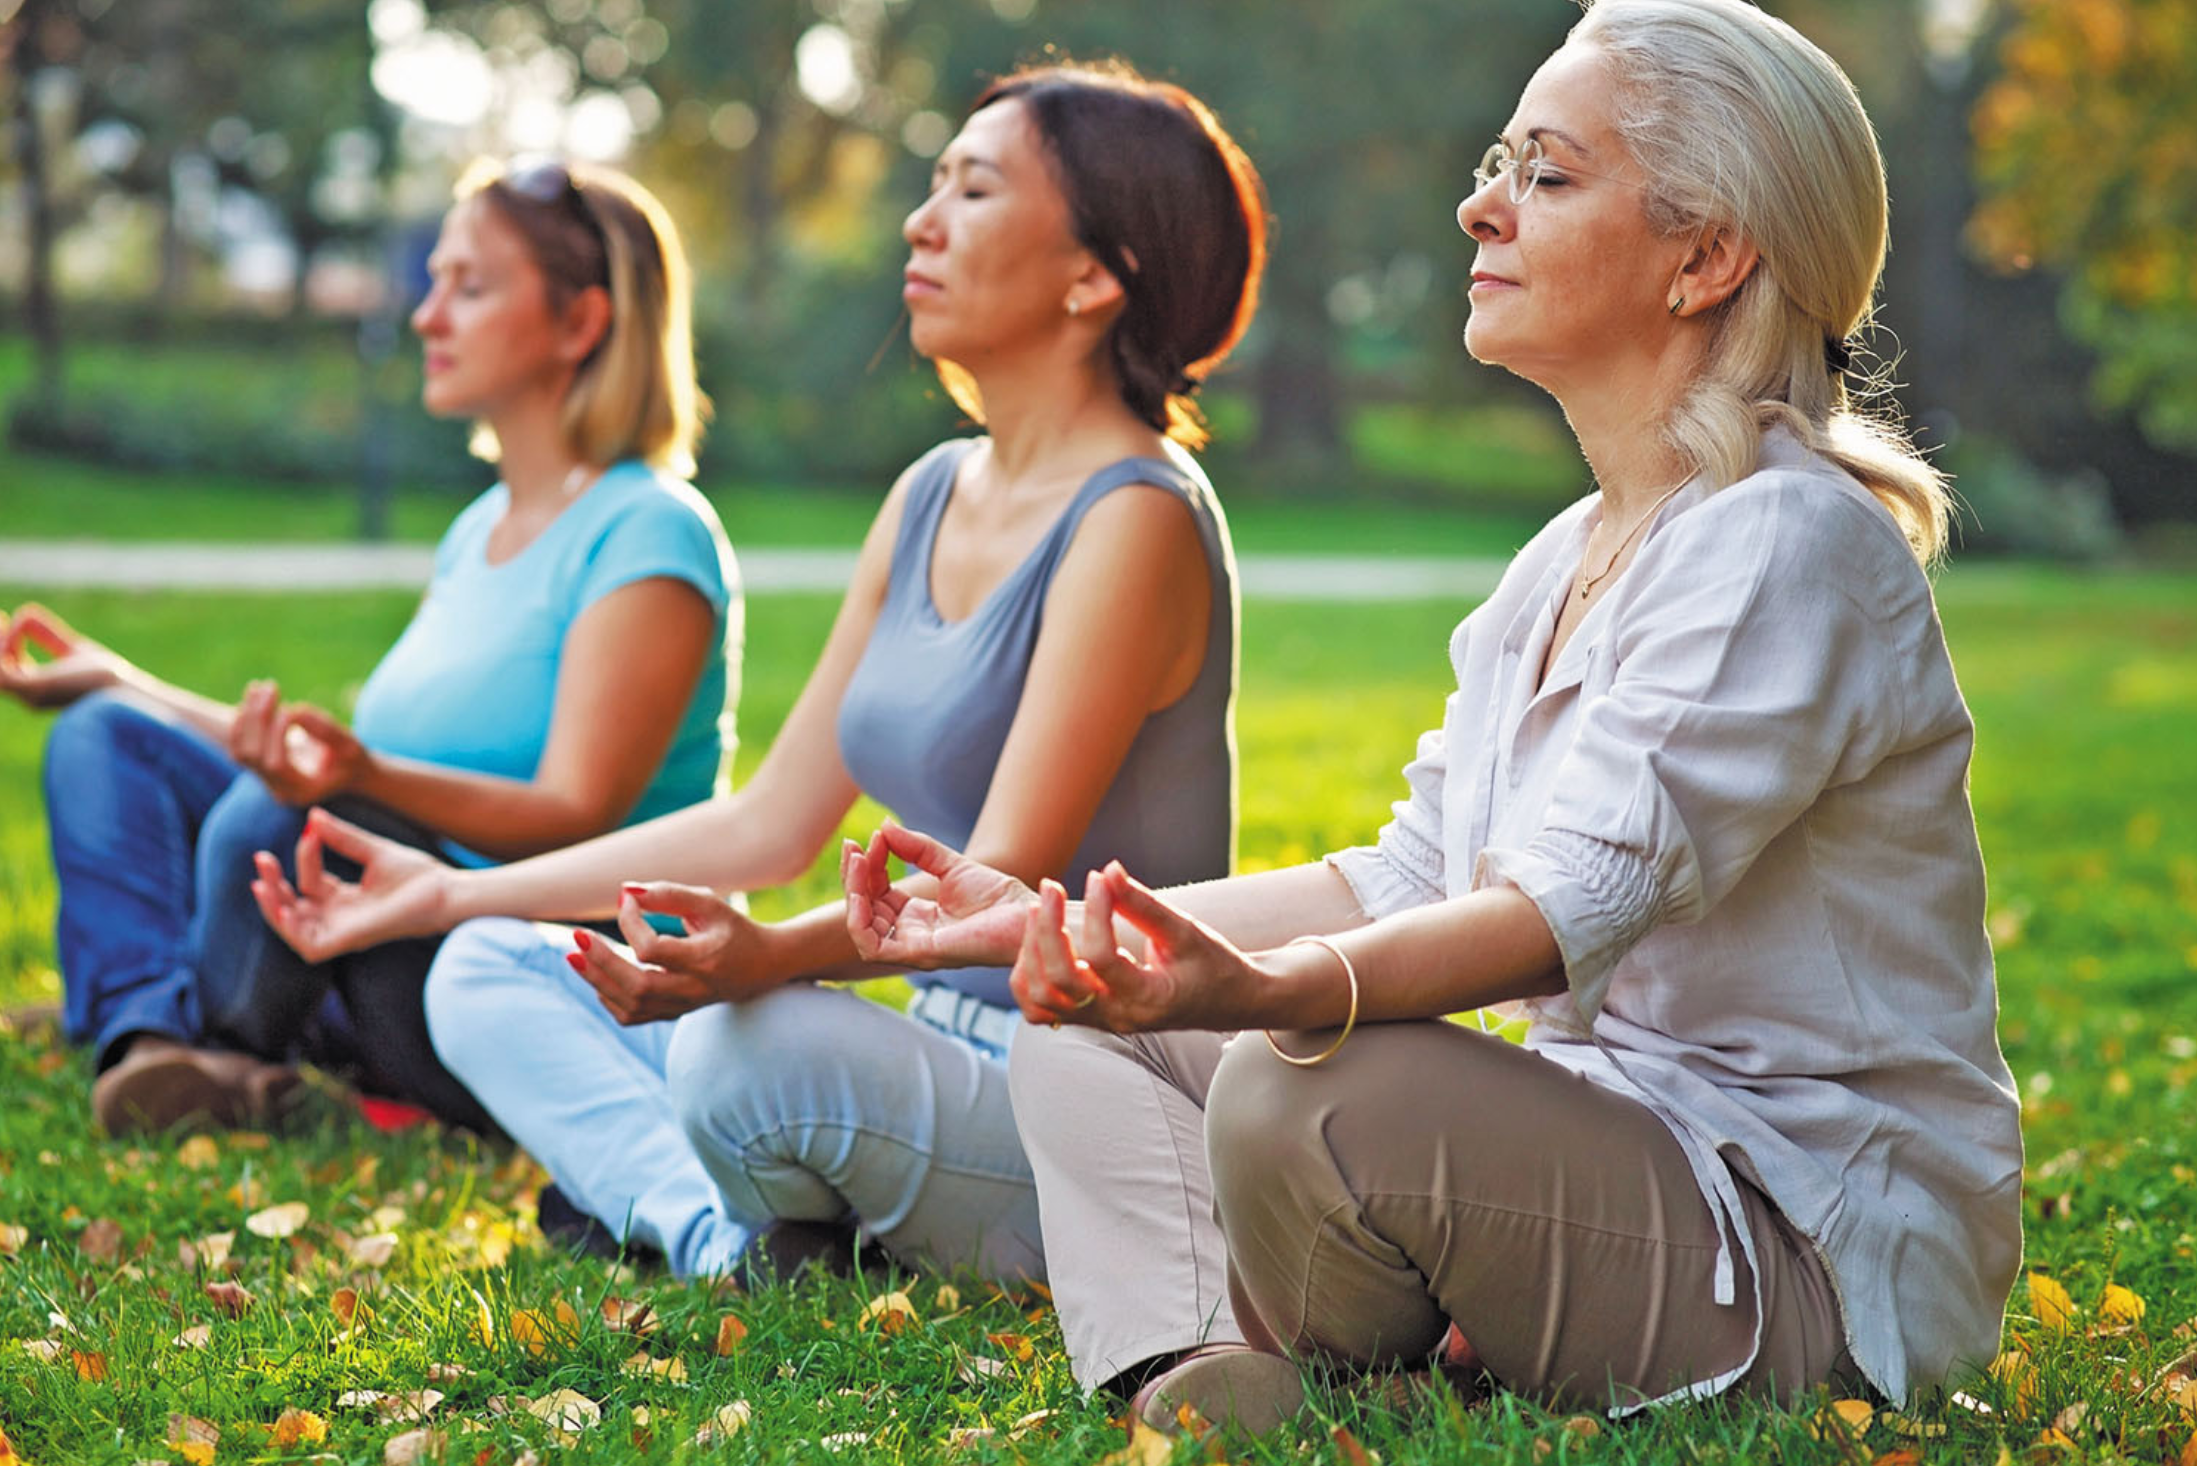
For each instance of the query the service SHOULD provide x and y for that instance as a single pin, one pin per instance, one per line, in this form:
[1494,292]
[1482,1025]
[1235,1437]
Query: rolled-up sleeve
[1752,673]
[1404,866]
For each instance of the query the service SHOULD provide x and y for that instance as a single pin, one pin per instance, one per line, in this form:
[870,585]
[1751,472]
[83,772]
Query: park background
[213,214]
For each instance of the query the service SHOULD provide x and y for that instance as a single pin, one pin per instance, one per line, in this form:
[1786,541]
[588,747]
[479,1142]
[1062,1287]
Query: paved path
[188,566]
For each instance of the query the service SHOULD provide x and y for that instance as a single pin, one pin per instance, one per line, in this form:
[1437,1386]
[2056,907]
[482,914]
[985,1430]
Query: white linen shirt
[1740,800]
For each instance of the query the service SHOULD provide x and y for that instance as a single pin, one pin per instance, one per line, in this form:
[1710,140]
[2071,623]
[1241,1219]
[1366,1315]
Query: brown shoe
[1222,1384]
[163,1085]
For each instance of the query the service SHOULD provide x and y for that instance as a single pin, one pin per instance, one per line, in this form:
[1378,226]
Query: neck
[1614,416]
[1038,413]
[536,464]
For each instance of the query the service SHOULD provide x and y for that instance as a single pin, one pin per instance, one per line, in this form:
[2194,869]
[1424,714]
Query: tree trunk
[40,311]
[1300,417]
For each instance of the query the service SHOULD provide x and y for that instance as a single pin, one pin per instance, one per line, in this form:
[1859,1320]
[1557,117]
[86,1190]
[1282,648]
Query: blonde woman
[1699,802]
[570,669]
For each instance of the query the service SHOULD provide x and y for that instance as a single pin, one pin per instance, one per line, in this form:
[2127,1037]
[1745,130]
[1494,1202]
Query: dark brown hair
[1167,202]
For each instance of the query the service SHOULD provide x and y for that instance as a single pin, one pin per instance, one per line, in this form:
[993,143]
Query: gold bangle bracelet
[1350,1020]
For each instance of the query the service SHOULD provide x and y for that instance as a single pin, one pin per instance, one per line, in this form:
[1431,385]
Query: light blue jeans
[810,1102]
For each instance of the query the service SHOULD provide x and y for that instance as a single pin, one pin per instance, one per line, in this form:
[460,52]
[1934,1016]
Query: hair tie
[1839,354]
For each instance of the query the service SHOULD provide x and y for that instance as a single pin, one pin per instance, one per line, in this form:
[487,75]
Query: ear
[1094,290]
[587,321]
[1720,263]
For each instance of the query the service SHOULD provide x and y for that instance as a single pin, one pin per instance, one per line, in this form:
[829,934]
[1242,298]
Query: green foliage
[2082,686]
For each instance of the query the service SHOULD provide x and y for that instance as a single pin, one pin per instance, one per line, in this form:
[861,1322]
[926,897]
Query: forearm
[505,818]
[1491,946]
[202,714]
[815,947]
[697,845]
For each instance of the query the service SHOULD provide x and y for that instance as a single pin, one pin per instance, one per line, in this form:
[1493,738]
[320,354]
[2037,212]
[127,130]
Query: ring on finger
[1083,1002]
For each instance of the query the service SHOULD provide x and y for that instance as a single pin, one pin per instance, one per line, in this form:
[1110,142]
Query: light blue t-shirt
[473,680]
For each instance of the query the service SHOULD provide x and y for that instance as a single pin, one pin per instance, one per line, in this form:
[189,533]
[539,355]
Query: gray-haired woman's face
[1571,280]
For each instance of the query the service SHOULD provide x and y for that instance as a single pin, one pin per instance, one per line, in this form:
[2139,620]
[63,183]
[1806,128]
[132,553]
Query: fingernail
[581,940]
[573,960]
[632,890]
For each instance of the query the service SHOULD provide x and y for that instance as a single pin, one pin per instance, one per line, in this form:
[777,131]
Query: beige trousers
[1195,1190]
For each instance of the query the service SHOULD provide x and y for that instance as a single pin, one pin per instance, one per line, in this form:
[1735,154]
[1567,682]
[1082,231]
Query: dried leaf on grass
[1843,1420]
[91,1368]
[12,1238]
[344,1303]
[536,1331]
[2051,1305]
[294,1426]
[210,1252]
[1014,1346]
[198,1152]
[194,1439]
[7,1451]
[632,1315]
[197,1336]
[975,1369]
[566,1412]
[277,1222]
[101,1241]
[1347,1448]
[230,1298]
[2119,1307]
[889,1313]
[843,1440]
[731,1334]
[46,1351]
[730,1420]
[414,1446]
[673,1369]
[372,1251]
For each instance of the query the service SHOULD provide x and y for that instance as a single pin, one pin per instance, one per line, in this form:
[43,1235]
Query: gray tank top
[928,710]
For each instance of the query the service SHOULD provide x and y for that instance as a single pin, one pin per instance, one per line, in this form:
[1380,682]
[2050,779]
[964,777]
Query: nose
[1487,212]
[921,224]
[428,314]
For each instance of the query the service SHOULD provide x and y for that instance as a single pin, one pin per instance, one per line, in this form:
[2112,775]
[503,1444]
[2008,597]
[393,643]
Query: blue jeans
[808,1102]
[153,831]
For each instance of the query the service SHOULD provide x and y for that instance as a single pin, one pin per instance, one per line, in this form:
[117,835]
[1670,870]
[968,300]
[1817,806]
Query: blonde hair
[634,396]
[1740,122]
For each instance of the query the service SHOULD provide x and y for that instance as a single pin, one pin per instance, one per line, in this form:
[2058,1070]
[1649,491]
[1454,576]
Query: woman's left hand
[720,958]
[302,754]
[1190,976]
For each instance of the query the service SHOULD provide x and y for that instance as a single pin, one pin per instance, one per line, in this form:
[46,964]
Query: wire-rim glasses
[1520,168]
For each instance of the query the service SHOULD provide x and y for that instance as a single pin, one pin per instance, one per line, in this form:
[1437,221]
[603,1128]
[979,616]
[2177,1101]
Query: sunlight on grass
[417,1268]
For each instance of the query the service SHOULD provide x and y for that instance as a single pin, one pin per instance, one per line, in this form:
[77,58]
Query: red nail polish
[581,940]
[633,891]
[573,960]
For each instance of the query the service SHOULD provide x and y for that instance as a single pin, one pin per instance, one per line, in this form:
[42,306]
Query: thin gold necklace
[1587,582]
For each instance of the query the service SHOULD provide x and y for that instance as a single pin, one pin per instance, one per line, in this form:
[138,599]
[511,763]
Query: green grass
[2083,785]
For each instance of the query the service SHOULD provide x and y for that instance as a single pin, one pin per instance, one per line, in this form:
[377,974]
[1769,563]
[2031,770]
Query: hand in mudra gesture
[1072,967]
[975,918]
[399,892]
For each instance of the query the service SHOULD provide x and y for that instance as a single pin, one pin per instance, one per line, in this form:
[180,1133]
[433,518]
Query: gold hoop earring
[1676,305]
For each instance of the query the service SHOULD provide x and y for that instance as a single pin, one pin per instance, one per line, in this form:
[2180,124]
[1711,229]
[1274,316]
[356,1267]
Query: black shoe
[583,1235]
[789,1245]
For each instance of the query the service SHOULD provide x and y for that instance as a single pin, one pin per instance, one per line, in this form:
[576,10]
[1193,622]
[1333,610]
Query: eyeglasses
[1523,167]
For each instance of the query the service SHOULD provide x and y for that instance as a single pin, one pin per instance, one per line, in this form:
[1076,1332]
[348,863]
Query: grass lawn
[2083,693]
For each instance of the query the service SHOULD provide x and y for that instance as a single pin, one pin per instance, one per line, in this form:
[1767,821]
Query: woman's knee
[465,996]
[248,818]
[739,1070]
[1256,1112]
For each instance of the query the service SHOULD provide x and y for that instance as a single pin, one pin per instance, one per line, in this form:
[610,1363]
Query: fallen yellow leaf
[566,1410]
[344,1303]
[2051,1439]
[414,1446]
[278,1221]
[12,1238]
[91,1368]
[633,1315]
[673,1369]
[197,1336]
[1843,1420]
[484,1323]
[373,1251]
[947,1299]
[210,1251]
[2051,1305]
[294,1426]
[2012,1369]
[1149,1447]
[890,1313]
[46,1351]
[1015,1346]
[1029,1423]
[7,1451]
[197,1153]
[193,1438]
[2120,1307]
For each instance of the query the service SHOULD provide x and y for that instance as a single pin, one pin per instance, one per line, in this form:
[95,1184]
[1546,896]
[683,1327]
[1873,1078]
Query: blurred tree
[27,42]
[2087,162]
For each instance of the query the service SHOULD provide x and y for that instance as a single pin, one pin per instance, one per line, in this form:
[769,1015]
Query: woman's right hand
[400,891]
[974,920]
[73,664]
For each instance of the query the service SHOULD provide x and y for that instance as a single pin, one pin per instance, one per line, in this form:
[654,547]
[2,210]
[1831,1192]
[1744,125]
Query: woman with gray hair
[1699,803]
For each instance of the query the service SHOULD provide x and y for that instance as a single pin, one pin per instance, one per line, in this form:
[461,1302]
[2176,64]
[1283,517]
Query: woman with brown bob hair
[570,669]
[1038,652]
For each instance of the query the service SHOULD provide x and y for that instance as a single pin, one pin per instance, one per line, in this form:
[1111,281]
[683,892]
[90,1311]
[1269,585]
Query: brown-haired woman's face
[991,256]
[486,329]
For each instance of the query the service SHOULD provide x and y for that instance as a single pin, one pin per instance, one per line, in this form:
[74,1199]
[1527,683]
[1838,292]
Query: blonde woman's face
[991,255]
[1573,280]
[488,335]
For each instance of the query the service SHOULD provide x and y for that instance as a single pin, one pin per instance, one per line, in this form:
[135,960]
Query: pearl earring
[1075,306]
